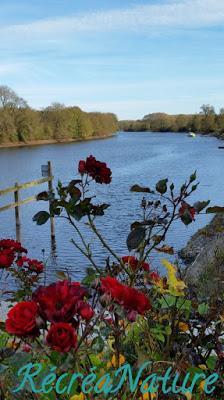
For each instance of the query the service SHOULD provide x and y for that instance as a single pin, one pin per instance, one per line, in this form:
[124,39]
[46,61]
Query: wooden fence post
[50,189]
[17,213]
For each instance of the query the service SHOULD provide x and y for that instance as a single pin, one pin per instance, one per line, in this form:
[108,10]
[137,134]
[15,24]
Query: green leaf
[45,196]
[203,308]
[137,188]
[136,225]
[158,334]
[193,177]
[74,182]
[98,344]
[215,210]
[99,210]
[3,368]
[194,187]
[89,278]
[74,193]
[161,186]
[95,360]
[135,238]
[211,362]
[54,209]
[168,330]
[41,217]
[106,331]
[6,352]
[187,217]
[200,205]
[167,301]
[76,212]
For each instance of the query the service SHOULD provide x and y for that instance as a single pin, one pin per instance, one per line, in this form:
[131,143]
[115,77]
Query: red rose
[21,261]
[130,298]
[112,287]
[62,337]
[134,263]
[12,245]
[134,300]
[21,319]
[82,167]
[58,301]
[8,250]
[32,265]
[85,310]
[35,266]
[6,258]
[154,276]
[96,169]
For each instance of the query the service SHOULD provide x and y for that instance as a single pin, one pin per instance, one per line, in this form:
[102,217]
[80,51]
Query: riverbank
[53,141]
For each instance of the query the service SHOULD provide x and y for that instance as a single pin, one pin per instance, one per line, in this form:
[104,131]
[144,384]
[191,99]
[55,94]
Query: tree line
[207,121]
[21,123]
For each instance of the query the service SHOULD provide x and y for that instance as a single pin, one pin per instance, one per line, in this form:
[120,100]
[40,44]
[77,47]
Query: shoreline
[53,141]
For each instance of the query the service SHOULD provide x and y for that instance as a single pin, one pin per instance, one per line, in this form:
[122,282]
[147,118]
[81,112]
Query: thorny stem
[92,225]
[105,245]
[85,252]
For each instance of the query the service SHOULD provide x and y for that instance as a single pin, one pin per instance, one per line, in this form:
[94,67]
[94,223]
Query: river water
[141,158]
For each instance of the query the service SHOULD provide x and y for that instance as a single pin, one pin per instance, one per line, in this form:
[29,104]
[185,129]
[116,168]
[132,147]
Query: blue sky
[128,57]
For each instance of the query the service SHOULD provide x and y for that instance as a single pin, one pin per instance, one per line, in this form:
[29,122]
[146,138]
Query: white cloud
[172,14]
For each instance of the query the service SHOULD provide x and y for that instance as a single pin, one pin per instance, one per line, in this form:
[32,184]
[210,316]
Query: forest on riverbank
[207,121]
[19,123]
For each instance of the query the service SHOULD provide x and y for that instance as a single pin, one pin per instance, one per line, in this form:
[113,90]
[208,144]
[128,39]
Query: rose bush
[122,312]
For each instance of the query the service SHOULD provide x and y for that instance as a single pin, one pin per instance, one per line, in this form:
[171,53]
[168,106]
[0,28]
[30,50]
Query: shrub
[124,317]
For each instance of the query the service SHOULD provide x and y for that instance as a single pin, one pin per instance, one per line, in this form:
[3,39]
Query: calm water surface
[141,158]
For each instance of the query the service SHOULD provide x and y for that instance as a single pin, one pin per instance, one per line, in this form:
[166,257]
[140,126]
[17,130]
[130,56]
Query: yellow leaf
[201,386]
[144,396]
[114,361]
[203,367]
[222,318]
[160,286]
[110,343]
[100,385]
[78,397]
[188,395]
[176,286]
[183,326]
[12,344]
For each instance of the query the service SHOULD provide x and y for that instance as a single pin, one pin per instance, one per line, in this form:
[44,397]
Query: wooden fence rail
[48,178]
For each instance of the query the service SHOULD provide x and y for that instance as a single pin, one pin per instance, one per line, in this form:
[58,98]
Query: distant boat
[191,134]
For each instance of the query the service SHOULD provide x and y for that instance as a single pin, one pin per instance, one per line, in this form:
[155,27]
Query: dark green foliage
[41,217]
[135,238]
[161,186]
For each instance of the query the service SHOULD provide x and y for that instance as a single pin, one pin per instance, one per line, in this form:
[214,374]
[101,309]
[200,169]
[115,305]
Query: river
[141,158]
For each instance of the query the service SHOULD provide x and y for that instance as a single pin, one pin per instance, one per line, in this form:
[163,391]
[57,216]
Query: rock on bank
[204,246]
